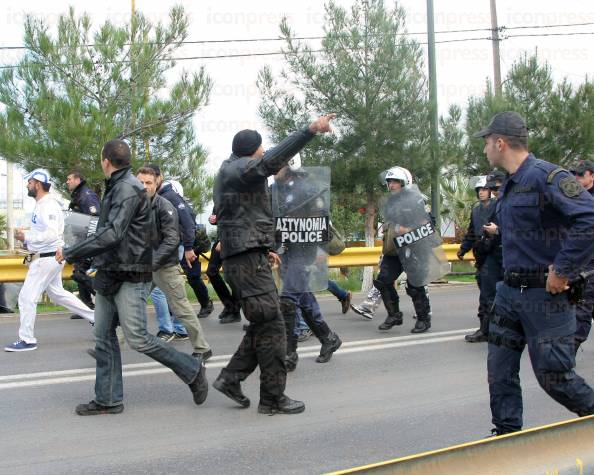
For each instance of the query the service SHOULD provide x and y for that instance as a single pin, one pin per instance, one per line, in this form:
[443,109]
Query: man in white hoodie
[45,273]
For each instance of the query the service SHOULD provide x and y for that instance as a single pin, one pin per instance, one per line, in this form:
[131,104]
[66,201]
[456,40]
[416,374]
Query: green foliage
[560,116]
[458,198]
[372,76]
[3,232]
[77,88]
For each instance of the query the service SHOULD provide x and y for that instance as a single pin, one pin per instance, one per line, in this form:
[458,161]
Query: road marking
[140,369]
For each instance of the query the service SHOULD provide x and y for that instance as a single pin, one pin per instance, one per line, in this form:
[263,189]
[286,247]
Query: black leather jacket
[125,229]
[242,200]
[166,245]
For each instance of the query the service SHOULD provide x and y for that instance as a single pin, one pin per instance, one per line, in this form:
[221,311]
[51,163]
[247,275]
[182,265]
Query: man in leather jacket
[167,273]
[122,253]
[246,232]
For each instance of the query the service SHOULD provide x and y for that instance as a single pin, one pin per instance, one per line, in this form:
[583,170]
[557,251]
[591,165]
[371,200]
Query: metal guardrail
[12,268]
[563,448]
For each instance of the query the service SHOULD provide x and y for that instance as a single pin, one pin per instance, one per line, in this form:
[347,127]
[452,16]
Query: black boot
[283,405]
[230,314]
[206,310]
[329,345]
[422,325]
[482,334]
[330,341]
[231,389]
[391,320]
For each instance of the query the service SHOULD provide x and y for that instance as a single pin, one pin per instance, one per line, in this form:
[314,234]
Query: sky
[462,67]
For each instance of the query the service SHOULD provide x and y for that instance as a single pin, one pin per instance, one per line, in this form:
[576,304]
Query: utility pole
[132,80]
[433,117]
[495,40]
[9,205]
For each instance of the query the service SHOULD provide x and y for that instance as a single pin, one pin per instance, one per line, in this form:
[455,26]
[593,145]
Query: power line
[276,53]
[301,38]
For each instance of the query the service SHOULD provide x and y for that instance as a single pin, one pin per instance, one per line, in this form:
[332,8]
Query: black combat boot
[330,341]
[391,320]
[231,389]
[482,334]
[422,325]
[282,405]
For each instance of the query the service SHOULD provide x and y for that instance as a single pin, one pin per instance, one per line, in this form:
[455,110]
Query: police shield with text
[411,245]
[301,207]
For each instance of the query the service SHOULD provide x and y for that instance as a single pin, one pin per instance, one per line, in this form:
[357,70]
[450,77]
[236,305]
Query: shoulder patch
[570,187]
[181,206]
[93,209]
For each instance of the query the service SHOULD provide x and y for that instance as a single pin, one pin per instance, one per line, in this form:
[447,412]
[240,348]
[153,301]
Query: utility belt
[29,258]
[526,280]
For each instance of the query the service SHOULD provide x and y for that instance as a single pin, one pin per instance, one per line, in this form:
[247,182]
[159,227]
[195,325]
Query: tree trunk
[370,214]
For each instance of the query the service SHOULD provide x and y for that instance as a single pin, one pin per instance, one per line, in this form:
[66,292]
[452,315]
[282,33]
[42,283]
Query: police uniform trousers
[546,323]
[84,281]
[264,343]
[487,277]
[216,280]
[584,312]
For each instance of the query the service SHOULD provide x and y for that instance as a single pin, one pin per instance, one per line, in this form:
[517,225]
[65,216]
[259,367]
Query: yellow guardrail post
[564,447]
[12,268]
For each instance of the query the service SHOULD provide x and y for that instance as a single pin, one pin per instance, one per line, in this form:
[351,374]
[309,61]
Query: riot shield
[301,208]
[77,227]
[413,236]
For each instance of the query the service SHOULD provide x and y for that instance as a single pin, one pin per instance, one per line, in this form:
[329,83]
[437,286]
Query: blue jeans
[168,322]
[129,303]
[336,290]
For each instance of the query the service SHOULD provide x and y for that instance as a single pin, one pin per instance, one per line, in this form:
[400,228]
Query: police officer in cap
[246,232]
[583,171]
[546,222]
[82,200]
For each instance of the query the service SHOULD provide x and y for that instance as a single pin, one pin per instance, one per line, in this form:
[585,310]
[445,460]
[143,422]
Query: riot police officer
[475,240]
[546,222]
[583,171]
[406,208]
[303,265]
[82,200]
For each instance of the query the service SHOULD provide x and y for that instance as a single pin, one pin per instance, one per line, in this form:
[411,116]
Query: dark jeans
[305,303]
[194,275]
[85,282]
[216,280]
[128,305]
[546,323]
[264,343]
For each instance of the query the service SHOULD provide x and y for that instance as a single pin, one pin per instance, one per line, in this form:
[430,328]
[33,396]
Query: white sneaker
[364,311]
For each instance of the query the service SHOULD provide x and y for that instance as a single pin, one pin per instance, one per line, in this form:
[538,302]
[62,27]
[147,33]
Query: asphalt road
[383,395]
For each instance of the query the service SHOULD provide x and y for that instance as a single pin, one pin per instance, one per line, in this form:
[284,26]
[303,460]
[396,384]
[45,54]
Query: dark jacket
[166,243]
[84,200]
[186,217]
[242,200]
[122,242]
[475,235]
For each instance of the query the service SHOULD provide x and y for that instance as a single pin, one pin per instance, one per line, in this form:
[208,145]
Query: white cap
[176,186]
[39,174]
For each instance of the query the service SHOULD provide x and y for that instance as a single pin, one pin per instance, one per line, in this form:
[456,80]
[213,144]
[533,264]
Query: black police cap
[582,166]
[246,142]
[507,123]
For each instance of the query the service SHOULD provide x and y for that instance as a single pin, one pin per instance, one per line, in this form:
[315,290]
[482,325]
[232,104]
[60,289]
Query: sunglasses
[580,174]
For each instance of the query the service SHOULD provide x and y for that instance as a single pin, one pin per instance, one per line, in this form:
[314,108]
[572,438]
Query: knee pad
[287,306]
[415,292]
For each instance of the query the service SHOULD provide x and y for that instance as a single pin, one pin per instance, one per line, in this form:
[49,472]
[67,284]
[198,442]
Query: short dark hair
[76,173]
[515,143]
[147,171]
[117,152]
[46,186]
